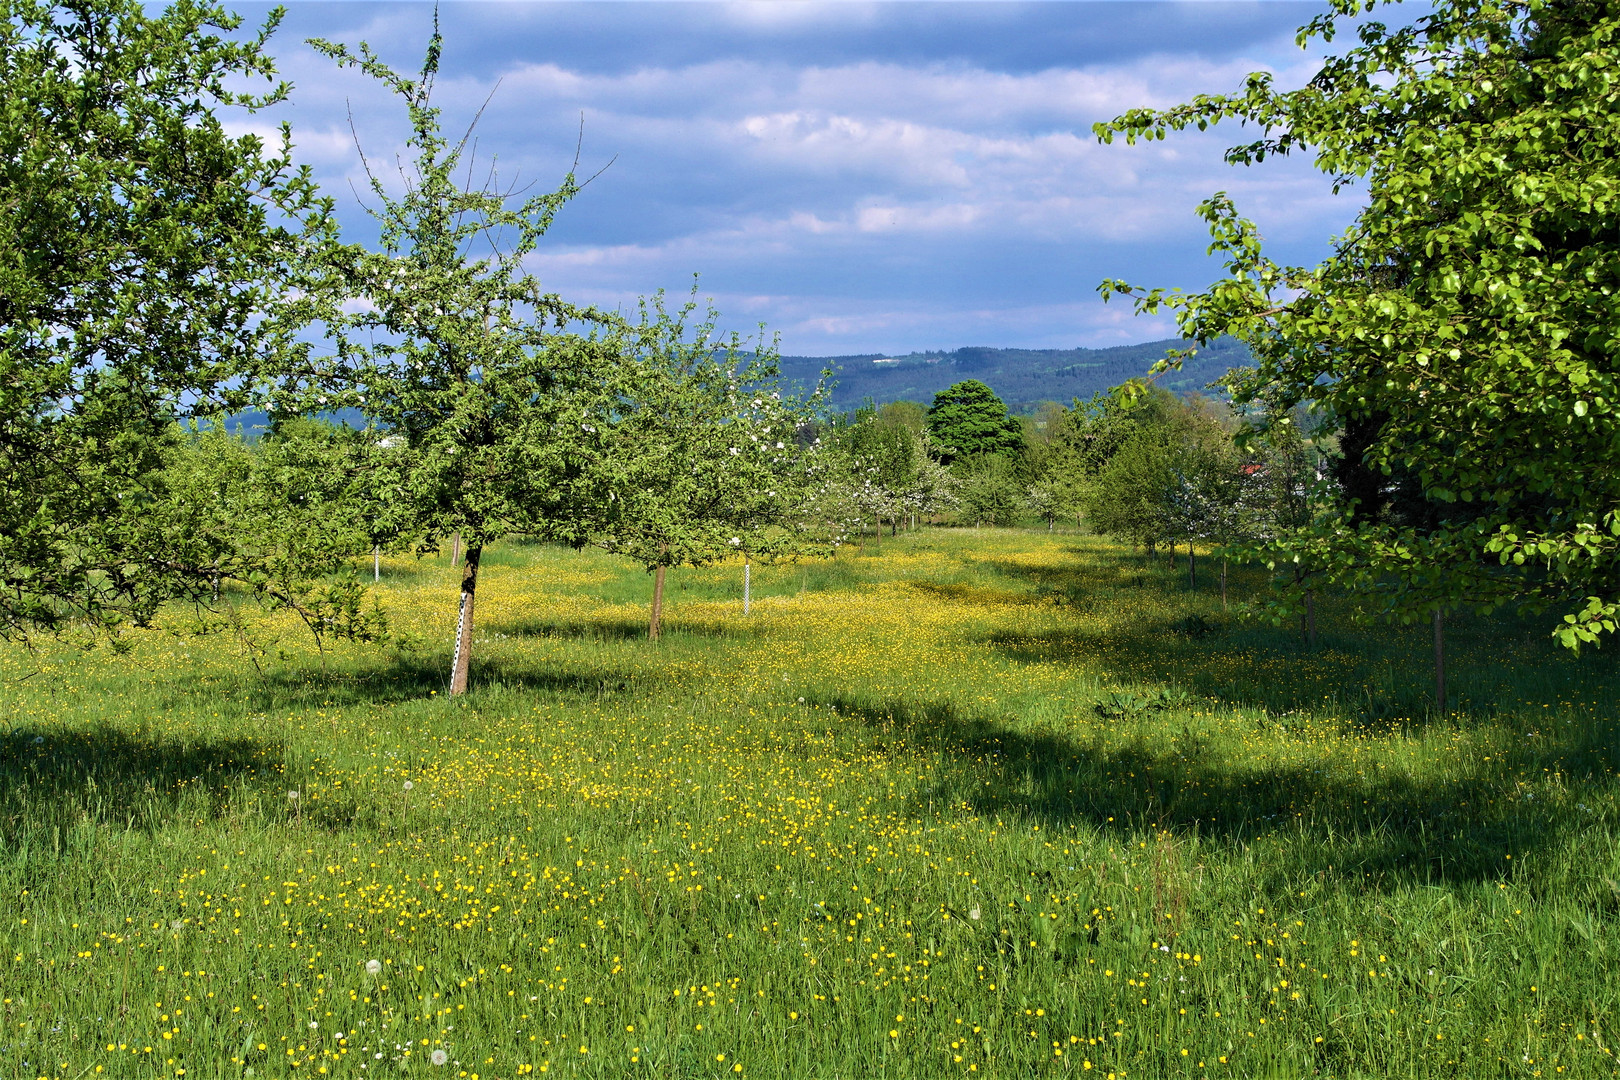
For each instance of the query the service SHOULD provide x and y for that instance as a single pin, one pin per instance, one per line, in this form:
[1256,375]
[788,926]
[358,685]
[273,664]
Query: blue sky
[860,177]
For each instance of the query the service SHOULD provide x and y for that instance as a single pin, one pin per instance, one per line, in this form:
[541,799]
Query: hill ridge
[1023,378]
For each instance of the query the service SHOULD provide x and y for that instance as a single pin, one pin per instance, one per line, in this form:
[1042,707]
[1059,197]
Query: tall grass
[990,803]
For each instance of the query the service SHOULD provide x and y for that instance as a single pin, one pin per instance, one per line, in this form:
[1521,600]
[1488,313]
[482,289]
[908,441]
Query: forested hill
[1023,378]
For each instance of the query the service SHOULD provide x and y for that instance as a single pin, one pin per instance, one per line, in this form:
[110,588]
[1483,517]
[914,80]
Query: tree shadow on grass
[1373,676]
[417,678]
[675,626]
[1384,829]
[1368,672]
[50,783]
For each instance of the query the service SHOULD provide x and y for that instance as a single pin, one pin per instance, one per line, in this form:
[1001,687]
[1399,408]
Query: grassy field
[988,803]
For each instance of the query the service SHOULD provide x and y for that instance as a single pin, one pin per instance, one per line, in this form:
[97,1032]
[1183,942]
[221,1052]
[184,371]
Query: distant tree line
[1160,471]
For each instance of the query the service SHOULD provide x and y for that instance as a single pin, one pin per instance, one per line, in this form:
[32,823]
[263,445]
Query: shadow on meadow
[1387,829]
[1370,672]
[676,625]
[129,781]
[415,678]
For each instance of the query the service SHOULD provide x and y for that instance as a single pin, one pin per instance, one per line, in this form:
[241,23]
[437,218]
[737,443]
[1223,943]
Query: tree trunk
[455,548]
[655,625]
[1172,556]
[745,584]
[1439,661]
[1223,584]
[462,659]
[877,534]
[1310,618]
[376,562]
[1051,522]
[1192,567]
[894,525]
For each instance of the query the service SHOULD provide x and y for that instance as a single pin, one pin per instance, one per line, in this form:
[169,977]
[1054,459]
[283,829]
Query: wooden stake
[1439,661]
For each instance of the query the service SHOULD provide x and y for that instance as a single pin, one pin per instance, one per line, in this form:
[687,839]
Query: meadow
[994,803]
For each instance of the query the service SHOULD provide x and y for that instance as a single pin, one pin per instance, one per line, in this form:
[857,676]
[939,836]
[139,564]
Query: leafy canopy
[1464,330]
[140,244]
[702,459]
[967,419]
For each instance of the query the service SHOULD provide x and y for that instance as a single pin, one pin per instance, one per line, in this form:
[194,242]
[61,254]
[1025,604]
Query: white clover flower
[373,967]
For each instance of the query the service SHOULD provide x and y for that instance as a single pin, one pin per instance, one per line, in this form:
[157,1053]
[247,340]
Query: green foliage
[280,520]
[881,466]
[991,492]
[703,459]
[967,420]
[884,447]
[1151,470]
[1462,333]
[904,414]
[139,247]
[460,360]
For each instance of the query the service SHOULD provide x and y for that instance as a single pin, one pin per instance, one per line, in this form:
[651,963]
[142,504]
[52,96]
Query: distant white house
[887,360]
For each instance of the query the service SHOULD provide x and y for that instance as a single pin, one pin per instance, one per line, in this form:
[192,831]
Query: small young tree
[1045,500]
[1129,497]
[880,450]
[934,487]
[991,492]
[461,359]
[702,461]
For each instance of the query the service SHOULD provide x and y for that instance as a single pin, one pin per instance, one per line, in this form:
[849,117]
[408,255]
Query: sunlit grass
[982,803]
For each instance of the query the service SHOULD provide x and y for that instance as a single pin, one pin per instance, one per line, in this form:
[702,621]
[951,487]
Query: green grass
[988,803]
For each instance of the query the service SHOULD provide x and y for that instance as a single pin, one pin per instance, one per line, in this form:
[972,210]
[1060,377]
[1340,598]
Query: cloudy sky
[860,177]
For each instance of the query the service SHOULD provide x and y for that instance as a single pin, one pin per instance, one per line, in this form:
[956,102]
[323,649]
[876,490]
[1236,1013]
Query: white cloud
[763,174]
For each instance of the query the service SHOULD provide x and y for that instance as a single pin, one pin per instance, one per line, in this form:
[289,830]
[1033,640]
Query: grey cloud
[854,174]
